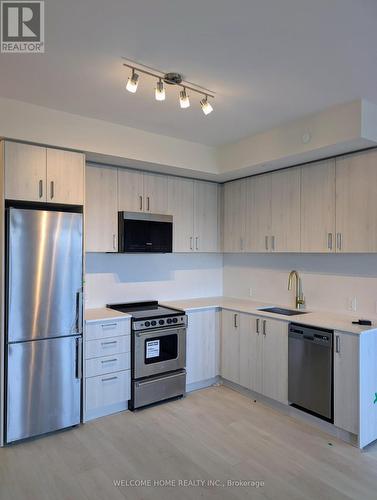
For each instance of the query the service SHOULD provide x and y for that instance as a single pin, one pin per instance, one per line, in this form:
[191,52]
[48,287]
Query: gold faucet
[299,299]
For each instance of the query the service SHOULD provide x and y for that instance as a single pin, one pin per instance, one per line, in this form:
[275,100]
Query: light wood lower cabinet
[346,381]
[202,346]
[107,373]
[254,353]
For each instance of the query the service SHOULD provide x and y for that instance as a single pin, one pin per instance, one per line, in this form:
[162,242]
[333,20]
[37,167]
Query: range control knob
[169,320]
[147,323]
[161,322]
[175,320]
[153,323]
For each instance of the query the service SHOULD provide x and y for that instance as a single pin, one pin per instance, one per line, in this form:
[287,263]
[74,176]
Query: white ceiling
[269,61]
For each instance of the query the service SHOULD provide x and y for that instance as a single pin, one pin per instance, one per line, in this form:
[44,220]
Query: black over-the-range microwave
[145,233]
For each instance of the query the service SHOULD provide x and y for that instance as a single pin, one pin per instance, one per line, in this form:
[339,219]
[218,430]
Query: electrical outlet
[352,304]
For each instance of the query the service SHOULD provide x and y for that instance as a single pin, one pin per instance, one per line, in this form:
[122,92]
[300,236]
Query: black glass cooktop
[141,310]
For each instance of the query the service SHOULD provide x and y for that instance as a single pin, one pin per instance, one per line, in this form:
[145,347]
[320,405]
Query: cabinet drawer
[107,347]
[107,364]
[105,329]
[106,390]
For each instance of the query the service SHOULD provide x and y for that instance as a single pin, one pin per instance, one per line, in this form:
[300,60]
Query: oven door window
[161,348]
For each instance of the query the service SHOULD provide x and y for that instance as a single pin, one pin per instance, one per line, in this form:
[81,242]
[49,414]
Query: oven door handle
[160,333]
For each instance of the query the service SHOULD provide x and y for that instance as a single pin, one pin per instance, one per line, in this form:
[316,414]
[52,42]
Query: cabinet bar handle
[148,204]
[272,242]
[191,243]
[109,360]
[40,188]
[339,241]
[51,189]
[235,321]
[241,243]
[109,325]
[108,379]
[266,242]
[197,242]
[264,327]
[257,325]
[114,242]
[141,202]
[109,343]
[329,241]
[337,344]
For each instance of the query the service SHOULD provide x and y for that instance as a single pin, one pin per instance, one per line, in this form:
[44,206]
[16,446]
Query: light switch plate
[352,304]
[251,292]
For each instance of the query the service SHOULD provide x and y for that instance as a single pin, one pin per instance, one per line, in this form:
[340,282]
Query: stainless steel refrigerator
[43,321]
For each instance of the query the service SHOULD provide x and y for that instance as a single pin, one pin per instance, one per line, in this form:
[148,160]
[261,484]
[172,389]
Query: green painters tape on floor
[375,398]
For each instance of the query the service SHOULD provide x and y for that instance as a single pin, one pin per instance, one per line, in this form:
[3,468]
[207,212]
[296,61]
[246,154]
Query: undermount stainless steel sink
[282,310]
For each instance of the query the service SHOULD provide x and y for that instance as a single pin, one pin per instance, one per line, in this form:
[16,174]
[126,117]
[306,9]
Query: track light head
[206,106]
[184,100]
[160,91]
[133,82]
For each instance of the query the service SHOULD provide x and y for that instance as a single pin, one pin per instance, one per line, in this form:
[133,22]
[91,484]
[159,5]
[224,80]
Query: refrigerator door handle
[79,313]
[79,358]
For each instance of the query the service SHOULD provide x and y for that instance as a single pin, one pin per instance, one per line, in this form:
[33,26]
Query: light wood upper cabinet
[130,191]
[318,207]
[356,202]
[181,207]
[346,382]
[34,173]
[203,345]
[206,230]
[285,210]
[65,177]
[260,214]
[25,172]
[230,346]
[234,216]
[155,193]
[101,210]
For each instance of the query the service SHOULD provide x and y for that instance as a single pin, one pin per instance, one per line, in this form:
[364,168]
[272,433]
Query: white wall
[329,281]
[127,278]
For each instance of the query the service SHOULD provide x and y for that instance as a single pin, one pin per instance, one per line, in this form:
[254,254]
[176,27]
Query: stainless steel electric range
[158,352]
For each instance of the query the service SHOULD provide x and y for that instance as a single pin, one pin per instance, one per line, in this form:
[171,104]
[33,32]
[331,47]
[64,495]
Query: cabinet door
[346,382]
[318,207]
[181,207]
[101,210]
[275,359]
[65,177]
[261,212]
[130,190]
[203,346]
[25,172]
[230,346]
[206,217]
[356,202]
[234,216]
[155,193]
[285,210]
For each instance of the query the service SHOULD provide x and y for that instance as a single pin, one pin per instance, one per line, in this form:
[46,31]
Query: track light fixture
[206,106]
[184,100]
[133,82]
[160,91]
[170,79]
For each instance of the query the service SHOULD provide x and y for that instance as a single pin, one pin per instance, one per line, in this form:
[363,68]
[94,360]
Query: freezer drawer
[43,387]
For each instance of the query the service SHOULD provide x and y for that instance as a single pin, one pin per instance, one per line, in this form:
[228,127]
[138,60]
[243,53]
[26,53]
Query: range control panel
[160,323]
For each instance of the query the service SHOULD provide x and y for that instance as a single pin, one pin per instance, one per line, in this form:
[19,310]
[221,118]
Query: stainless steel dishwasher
[310,370]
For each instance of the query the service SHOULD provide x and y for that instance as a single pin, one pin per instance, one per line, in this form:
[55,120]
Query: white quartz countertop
[104,313]
[322,319]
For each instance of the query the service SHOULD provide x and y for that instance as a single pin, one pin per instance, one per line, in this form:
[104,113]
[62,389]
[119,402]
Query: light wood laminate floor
[212,434]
